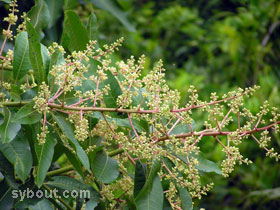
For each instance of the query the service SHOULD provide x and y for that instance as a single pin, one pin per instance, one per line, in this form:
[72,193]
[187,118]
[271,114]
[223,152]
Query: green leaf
[185,198]
[6,200]
[55,8]
[182,128]
[105,168]
[1,177]
[8,129]
[152,200]
[27,115]
[6,1]
[139,178]
[71,184]
[150,179]
[70,4]
[92,28]
[204,164]
[45,57]
[21,62]
[56,59]
[111,7]
[91,204]
[35,54]
[75,31]
[140,126]
[68,131]
[19,154]
[74,160]
[7,170]
[44,155]
[42,205]
[67,183]
[39,15]
[207,165]
[15,93]
[115,90]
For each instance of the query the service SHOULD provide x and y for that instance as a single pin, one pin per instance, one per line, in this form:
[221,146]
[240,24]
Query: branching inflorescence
[140,114]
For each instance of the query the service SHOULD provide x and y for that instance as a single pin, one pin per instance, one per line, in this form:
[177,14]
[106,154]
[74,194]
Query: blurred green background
[215,45]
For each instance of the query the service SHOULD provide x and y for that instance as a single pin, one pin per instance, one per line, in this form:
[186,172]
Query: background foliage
[215,45]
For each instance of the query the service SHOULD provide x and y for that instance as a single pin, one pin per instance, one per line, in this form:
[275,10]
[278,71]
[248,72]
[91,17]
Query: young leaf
[35,54]
[27,115]
[39,15]
[152,200]
[21,62]
[92,27]
[44,155]
[19,154]
[111,7]
[8,129]
[105,168]
[76,31]
[68,131]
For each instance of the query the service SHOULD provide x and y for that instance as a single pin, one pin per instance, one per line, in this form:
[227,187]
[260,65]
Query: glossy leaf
[68,131]
[27,115]
[35,53]
[44,155]
[75,31]
[19,154]
[39,15]
[152,200]
[105,168]
[21,62]
[111,7]
[8,129]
